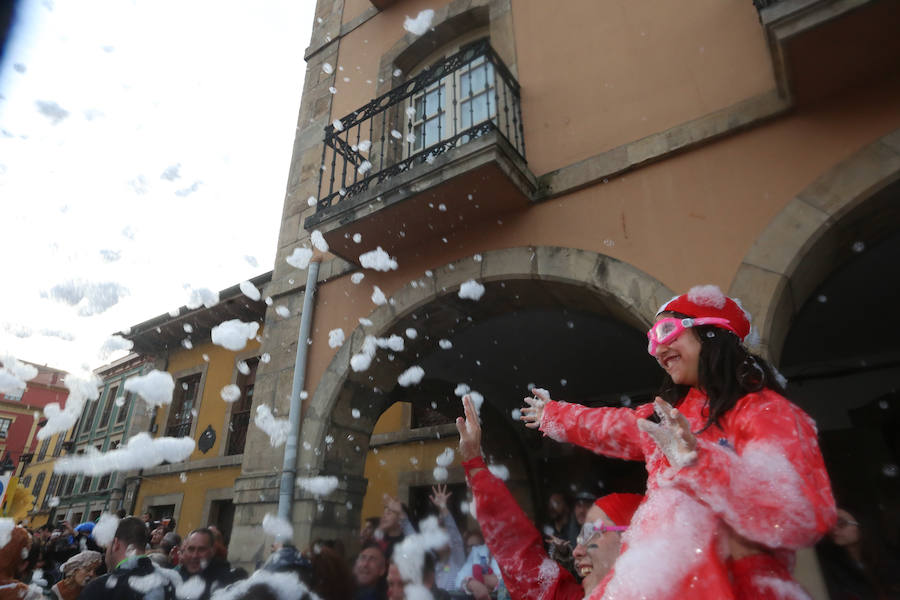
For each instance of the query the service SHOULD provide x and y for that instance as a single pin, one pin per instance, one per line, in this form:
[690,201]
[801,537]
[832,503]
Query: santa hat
[620,507]
[709,301]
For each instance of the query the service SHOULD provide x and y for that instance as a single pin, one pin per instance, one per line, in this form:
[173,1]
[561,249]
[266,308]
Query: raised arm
[440,497]
[609,431]
[510,535]
[772,487]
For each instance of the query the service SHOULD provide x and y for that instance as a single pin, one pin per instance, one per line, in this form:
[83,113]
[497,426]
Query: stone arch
[801,245]
[625,292]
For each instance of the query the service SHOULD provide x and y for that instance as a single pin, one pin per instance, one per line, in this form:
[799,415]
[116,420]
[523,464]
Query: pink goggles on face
[667,330]
[589,530]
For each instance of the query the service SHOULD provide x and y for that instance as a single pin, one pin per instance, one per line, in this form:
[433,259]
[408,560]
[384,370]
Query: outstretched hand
[532,414]
[440,497]
[469,431]
[673,434]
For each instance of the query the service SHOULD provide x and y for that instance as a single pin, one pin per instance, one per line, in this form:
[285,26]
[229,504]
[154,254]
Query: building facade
[105,424]
[199,491]
[583,161]
[20,415]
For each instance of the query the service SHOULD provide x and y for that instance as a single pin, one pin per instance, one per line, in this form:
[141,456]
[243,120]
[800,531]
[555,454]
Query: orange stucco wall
[688,219]
[594,75]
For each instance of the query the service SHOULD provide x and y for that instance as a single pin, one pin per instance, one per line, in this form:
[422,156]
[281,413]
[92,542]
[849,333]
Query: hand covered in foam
[532,414]
[673,434]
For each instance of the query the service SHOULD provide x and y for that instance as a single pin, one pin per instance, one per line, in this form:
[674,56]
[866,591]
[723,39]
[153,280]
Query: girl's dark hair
[727,373]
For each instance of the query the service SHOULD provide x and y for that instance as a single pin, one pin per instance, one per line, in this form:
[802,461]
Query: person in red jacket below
[735,475]
[516,544]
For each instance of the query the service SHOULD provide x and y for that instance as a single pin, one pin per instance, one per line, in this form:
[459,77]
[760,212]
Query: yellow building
[38,479]
[198,491]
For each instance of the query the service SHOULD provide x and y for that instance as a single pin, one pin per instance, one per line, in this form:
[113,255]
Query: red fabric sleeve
[609,431]
[529,574]
[772,487]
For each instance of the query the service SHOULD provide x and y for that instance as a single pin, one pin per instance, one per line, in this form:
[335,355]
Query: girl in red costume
[734,469]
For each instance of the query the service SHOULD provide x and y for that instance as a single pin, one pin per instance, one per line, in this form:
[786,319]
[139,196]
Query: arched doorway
[569,320]
[822,283]
[844,369]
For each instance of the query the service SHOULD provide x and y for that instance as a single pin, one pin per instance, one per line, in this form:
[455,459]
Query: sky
[144,152]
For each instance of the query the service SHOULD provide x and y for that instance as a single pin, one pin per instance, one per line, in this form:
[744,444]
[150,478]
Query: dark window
[240,410]
[122,412]
[76,519]
[187,393]
[163,511]
[43,450]
[90,412]
[107,408]
[60,438]
[70,485]
[95,515]
[221,514]
[27,481]
[4,427]
[51,490]
[86,484]
[38,484]
[104,482]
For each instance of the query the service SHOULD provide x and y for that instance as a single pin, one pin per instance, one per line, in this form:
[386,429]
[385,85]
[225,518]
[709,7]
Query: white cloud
[68,206]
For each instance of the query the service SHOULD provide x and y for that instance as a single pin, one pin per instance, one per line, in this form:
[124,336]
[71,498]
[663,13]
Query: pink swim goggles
[667,330]
[591,529]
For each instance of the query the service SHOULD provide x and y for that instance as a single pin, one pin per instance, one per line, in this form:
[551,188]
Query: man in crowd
[131,575]
[369,572]
[198,561]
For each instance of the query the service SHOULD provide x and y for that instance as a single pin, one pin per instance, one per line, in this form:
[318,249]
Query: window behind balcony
[240,410]
[184,402]
[454,103]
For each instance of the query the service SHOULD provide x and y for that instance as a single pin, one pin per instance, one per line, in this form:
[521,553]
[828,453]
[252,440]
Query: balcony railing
[179,430]
[451,103]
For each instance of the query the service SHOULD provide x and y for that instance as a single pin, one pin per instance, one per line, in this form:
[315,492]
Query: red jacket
[760,473]
[529,574]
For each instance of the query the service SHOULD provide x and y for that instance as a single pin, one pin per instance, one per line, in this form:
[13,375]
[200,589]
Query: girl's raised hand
[532,414]
[469,431]
[673,434]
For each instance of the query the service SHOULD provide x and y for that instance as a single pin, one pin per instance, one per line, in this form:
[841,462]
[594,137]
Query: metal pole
[289,469]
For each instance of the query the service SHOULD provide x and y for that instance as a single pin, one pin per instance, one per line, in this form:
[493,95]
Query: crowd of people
[736,485]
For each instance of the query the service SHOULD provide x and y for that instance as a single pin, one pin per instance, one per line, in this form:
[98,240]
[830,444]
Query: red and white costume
[759,473]
[528,573]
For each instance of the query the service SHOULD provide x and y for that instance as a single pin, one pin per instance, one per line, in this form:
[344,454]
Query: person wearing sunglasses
[736,481]
[517,545]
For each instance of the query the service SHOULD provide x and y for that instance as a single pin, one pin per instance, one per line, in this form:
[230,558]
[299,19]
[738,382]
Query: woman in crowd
[734,469]
[77,572]
[528,572]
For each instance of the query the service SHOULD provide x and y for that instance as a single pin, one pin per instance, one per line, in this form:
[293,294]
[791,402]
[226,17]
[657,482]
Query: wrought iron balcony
[459,118]
[179,430]
[455,101]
